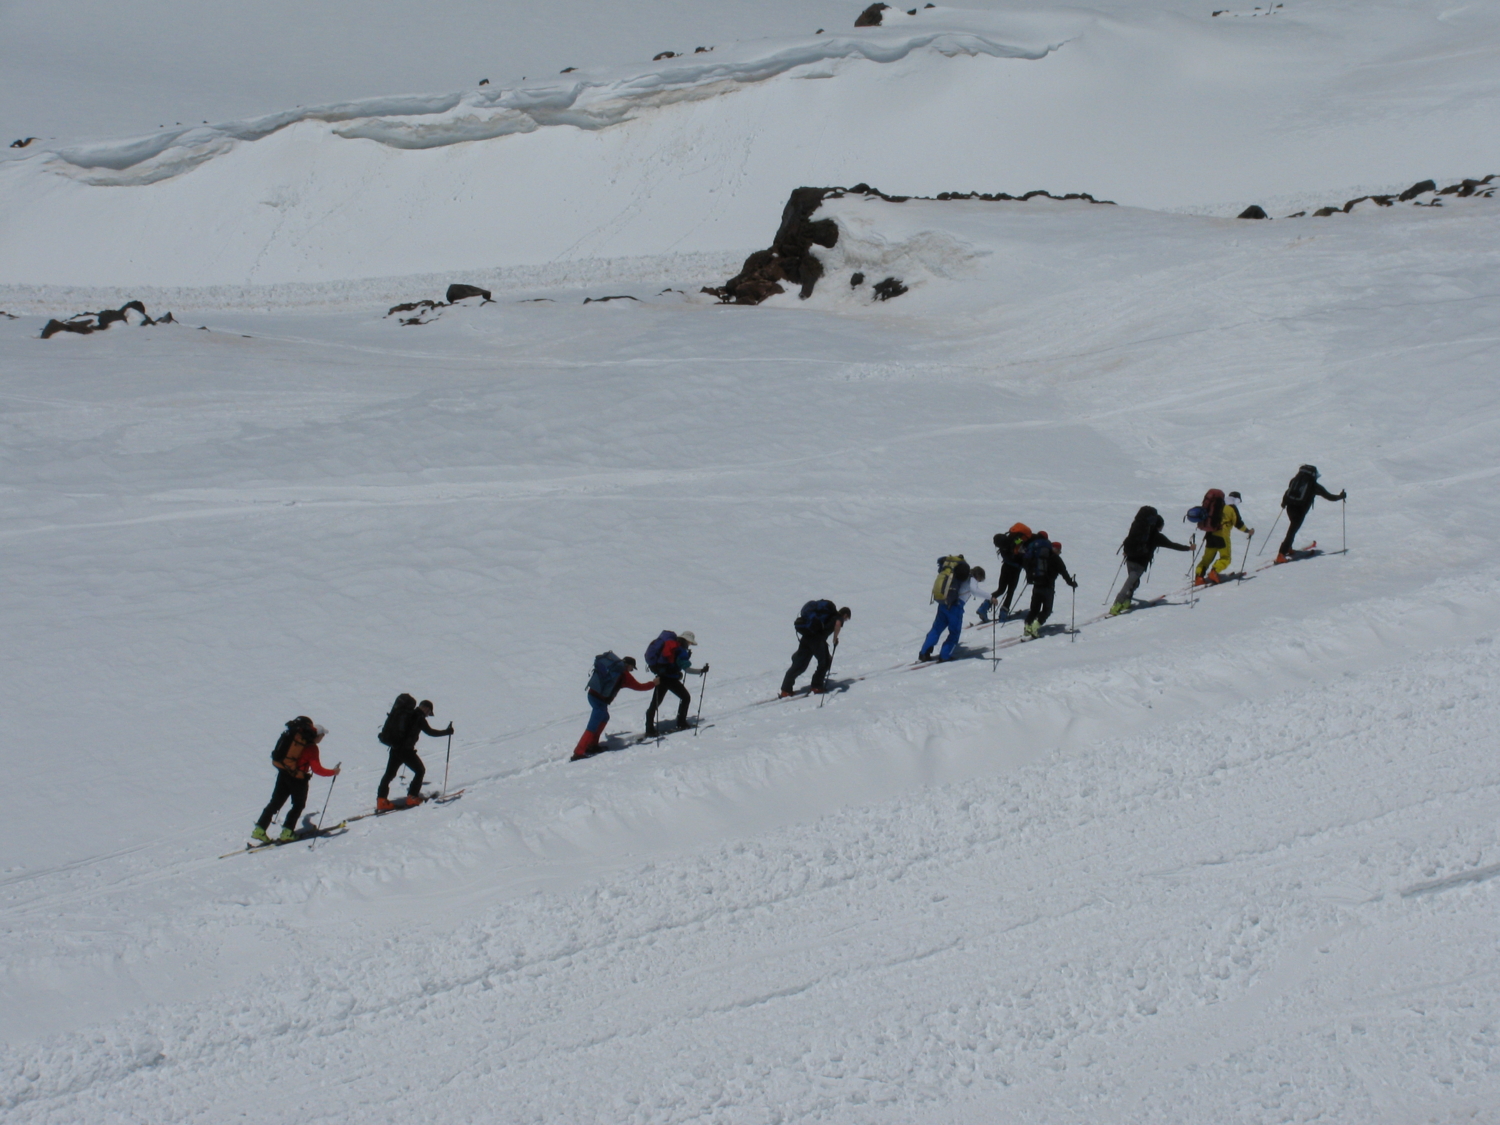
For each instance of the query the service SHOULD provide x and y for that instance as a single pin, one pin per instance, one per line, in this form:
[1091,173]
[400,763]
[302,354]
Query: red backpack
[1212,512]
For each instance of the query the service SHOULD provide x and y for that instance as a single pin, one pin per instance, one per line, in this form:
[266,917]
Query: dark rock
[22,143]
[856,280]
[890,287]
[484,81]
[871,16]
[1416,190]
[1324,212]
[701,50]
[664,55]
[567,70]
[1254,211]
[790,257]
[84,323]
[458,292]
[912,12]
[620,297]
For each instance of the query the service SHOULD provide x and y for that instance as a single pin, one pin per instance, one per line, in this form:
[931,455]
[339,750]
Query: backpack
[396,719]
[817,617]
[953,572]
[1037,558]
[1008,544]
[661,654]
[1211,514]
[609,670]
[1299,488]
[284,743]
[1137,544]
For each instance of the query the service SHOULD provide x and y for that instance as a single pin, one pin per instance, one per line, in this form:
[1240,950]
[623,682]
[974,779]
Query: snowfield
[1230,858]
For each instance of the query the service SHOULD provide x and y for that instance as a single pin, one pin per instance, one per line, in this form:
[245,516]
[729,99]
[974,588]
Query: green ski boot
[286,837]
[258,833]
[1119,608]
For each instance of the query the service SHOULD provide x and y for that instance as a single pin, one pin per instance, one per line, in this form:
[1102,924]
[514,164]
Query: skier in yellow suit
[1216,549]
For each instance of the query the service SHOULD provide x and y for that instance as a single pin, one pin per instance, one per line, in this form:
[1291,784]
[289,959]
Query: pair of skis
[306,835]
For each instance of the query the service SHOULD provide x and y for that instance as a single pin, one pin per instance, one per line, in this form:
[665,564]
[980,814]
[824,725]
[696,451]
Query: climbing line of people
[1023,553]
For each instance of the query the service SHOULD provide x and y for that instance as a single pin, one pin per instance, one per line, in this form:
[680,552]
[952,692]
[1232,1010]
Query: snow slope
[1226,860]
[1157,107]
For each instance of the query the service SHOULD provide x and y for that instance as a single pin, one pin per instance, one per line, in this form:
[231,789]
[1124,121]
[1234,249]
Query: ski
[1311,551]
[406,803]
[663,732]
[830,687]
[303,835]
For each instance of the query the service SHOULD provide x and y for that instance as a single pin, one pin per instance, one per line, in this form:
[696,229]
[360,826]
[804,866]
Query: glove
[449,730]
[703,671]
[1251,533]
[1344,494]
[1074,584]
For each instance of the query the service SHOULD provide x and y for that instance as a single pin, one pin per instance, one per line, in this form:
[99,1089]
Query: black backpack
[284,743]
[1299,488]
[398,718]
[1038,559]
[817,617]
[1137,544]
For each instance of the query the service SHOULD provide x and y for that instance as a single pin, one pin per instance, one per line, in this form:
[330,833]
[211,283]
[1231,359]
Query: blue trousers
[950,617]
[600,714]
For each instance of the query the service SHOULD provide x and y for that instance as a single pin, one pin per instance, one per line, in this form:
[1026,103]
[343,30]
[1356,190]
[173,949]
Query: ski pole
[1269,534]
[994,647]
[1241,578]
[1073,615]
[325,802]
[702,691]
[1112,582]
[1344,519]
[822,697]
[1192,584]
[447,759]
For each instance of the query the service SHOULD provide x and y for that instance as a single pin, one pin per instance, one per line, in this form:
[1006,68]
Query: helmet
[1056,547]
[1019,529]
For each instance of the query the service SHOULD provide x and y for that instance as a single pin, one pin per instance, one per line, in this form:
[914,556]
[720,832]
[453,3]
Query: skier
[962,584]
[1139,548]
[1297,501]
[611,673]
[669,658]
[1008,545]
[1043,565]
[404,753]
[819,622]
[1220,517]
[296,760]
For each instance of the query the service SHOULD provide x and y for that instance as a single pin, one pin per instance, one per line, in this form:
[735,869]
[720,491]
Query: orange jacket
[302,757]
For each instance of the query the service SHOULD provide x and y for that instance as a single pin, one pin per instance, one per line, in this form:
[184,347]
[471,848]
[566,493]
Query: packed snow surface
[1230,858]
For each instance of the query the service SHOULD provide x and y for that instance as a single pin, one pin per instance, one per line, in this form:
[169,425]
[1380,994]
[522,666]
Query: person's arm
[435,733]
[1325,494]
[631,682]
[1160,540]
[315,763]
[1062,568]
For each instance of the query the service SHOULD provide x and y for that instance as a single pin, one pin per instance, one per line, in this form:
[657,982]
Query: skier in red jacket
[296,759]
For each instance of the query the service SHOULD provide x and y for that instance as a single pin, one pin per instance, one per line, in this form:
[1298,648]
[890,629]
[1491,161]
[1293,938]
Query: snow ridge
[422,121]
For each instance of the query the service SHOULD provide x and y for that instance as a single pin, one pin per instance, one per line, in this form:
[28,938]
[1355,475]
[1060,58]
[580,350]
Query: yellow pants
[1217,557]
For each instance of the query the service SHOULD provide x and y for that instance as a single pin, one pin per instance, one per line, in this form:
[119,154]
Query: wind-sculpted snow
[436,120]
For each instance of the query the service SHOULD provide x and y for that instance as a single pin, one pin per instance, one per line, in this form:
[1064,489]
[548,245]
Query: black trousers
[1294,518]
[812,645]
[677,688]
[1010,579]
[403,756]
[287,785]
[1041,603]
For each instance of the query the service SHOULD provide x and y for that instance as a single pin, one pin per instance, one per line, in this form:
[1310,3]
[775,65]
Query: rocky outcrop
[131,312]
[871,16]
[1484,188]
[790,258]
[425,312]
[459,292]
[1254,211]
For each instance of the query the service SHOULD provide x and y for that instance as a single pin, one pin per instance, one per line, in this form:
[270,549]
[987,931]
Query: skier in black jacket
[1043,571]
[404,753]
[1139,549]
[1009,545]
[1297,500]
[819,622]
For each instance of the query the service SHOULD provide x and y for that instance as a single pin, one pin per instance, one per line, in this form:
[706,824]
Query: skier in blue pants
[950,615]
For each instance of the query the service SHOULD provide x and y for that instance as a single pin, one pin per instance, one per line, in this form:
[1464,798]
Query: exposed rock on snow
[871,16]
[890,287]
[790,258]
[131,312]
[428,311]
[1484,188]
[22,142]
[459,291]
[1254,211]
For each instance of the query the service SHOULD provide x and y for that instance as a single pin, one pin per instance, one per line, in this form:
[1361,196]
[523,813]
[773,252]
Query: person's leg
[393,763]
[298,792]
[954,626]
[656,697]
[1294,518]
[1133,572]
[598,719]
[939,623]
[1210,556]
[800,660]
[278,798]
[1221,564]
[1010,579]
[824,658]
[418,772]
[684,700]
[1048,593]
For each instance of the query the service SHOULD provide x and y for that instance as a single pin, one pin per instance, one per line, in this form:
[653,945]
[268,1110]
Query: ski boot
[784,694]
[924,656]
[383,805]
[258,833]
[1282,558]
[1213,577]
[286,837]
[1119,608]
[1033,629]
